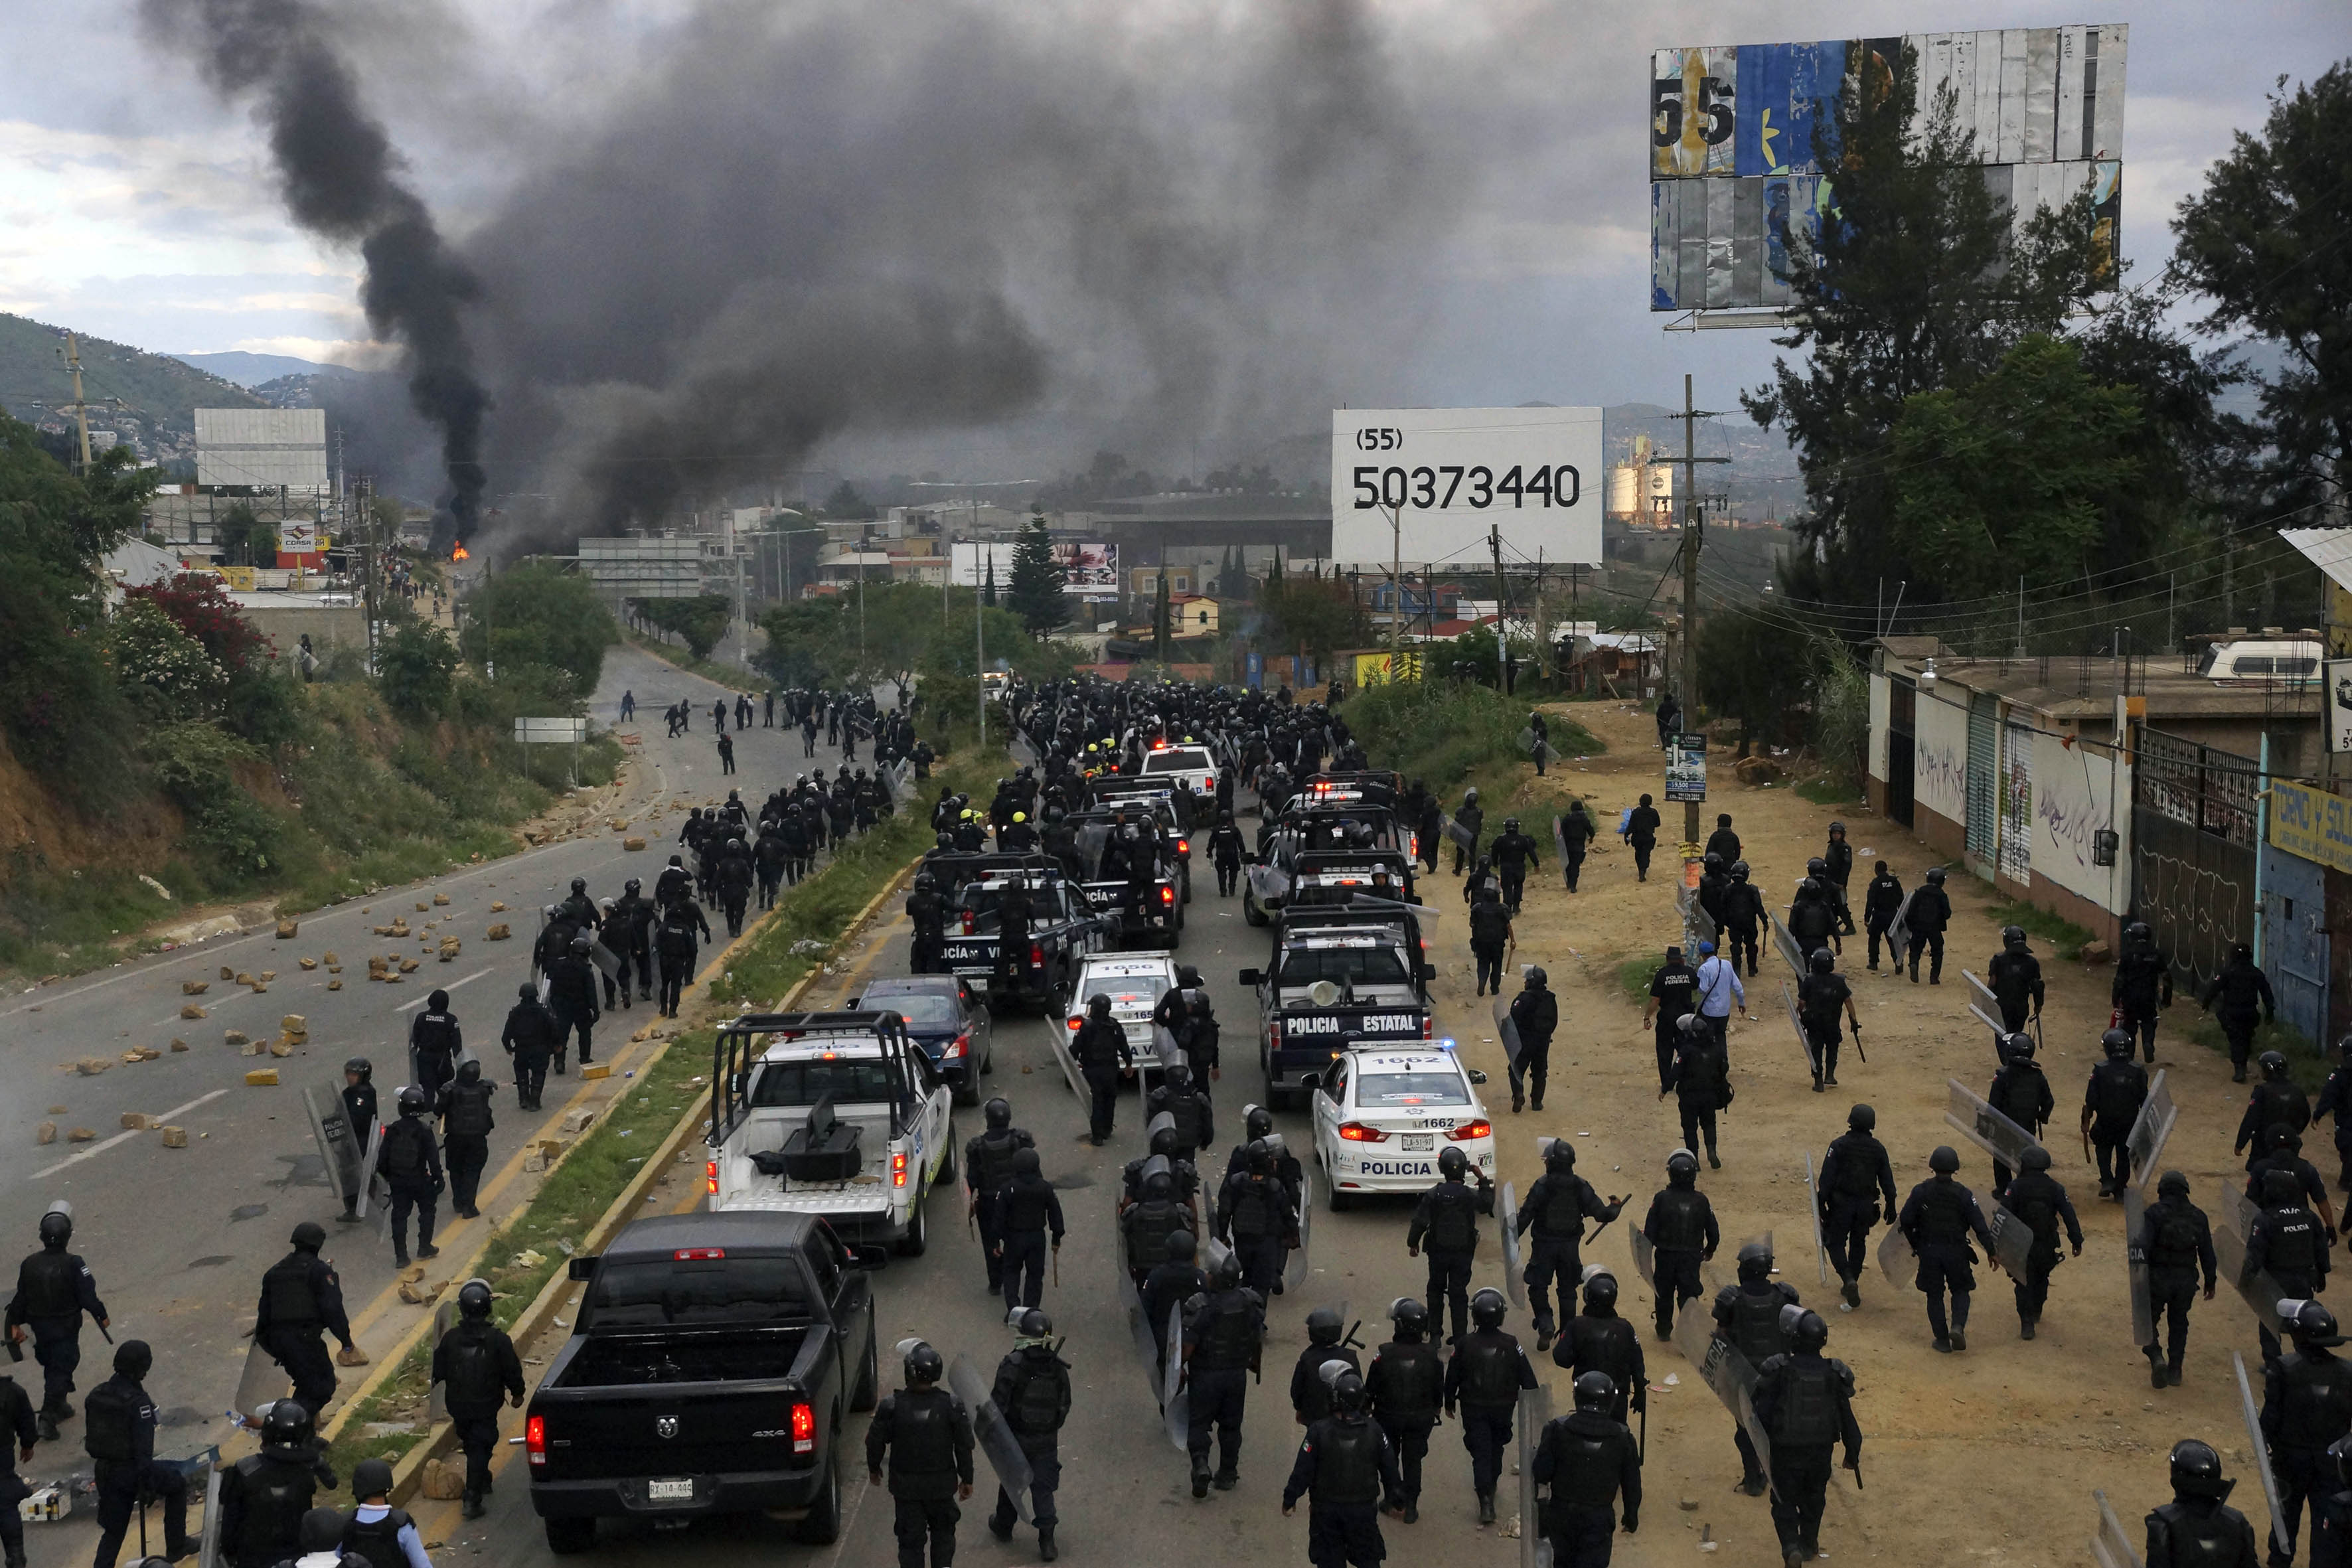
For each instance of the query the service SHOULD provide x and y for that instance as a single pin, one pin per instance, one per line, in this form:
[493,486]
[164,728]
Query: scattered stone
[632,843]
[90,1067]
[417,1295]
[334,985]
[268,975]
[56,1111]
[232,1037]
[497,906]
[296,1025]
[138,1122]
[288,929]
[328,958]
[281,1049]
[442,1481]
[80,1135]
[244,978]
[262,1078]
[408,966]
[259,989]
[308,963]
[194,987]
[575,1122]
[226,973]
[411,1275]
[2096,953]
[595,1070]
[498,933]
[178,1044]
[46,1133]
[440,899]
[449,949]
[189,1010]
[175,1137]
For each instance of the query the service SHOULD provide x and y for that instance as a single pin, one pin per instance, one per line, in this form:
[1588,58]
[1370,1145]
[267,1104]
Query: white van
[2265,661]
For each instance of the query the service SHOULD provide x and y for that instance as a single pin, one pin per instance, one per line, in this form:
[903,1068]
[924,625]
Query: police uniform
[1345,1467]
[54,1291]
[1166,1288]
[1033,1390]
[1535,1013]
[1674,988]
[118,1430]
[1882,900]
[987,1166]
[2021,1093]
[2015,976]
[2041,1201]
[1855,1175]
[1310,1397]
[1026,1205]
[1939,1218]
[1222,1334]
[1483,1380]
[1681,1226]
[2306,1406]
[433,1042]
[2177,1241]
[465,1125]
[1805,1402]
[263,1499]
[1195,1120]
[1445,1227]
[477,1366]
[1821,1001]
[1597,1340]
[1747,1318]
[411,1163]
[927,1433]
[1557,1207]
[1255,1214]
[2290,1245]
[1404,1388]
[1594,1468]
[529,1037]
[301,1299]
[2141,990]
[18,1432]
[2111,1102]
[1099,1048]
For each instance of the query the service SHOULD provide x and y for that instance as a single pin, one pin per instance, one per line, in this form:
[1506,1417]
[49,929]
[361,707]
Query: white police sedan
[1135,982]
[1382,1116]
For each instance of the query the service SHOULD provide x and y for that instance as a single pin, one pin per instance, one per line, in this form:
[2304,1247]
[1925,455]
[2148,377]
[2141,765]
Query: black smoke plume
[340,178]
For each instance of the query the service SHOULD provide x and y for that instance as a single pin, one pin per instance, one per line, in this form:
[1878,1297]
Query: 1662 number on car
[1429,489]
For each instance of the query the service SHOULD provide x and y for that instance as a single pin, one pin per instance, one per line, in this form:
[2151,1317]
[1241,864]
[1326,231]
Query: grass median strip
[521,1255]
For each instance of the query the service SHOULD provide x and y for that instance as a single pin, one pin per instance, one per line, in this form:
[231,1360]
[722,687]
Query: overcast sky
[135,206]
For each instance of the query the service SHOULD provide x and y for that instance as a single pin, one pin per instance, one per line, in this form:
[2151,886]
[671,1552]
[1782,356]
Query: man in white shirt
[1719,992]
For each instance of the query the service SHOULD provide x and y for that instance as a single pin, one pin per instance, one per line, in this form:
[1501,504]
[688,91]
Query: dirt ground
[1988,1457]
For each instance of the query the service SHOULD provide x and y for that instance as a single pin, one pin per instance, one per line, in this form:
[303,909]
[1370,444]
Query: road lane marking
[101,1146]
[413,1007]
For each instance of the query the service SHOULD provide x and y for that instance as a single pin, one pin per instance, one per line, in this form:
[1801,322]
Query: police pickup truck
[1144,910]
[1174,810]
[839,1115]
[1335,814]
[710,1368]
[1330,985]
[1065,923]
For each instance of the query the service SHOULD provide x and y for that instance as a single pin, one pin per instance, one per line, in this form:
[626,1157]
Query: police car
[1135,982]
[1166,764]
[1383,1115]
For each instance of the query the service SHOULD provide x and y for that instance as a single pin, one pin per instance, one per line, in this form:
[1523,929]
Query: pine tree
[1036,594]
[988,591]
[1159,619]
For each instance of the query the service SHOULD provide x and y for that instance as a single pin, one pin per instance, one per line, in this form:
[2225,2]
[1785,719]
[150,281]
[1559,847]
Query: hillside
[159,394]
[252,370]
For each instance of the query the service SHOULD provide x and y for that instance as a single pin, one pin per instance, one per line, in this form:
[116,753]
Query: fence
[2195,837]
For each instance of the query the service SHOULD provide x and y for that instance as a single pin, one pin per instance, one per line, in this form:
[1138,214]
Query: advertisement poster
[1687,768]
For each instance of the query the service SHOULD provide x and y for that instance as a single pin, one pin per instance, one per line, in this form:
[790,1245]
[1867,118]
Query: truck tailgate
[677,1428]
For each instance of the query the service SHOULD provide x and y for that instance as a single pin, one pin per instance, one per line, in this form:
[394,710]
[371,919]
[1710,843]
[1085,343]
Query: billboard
[1089,567]
[265,447]
[1734,172]
[1427,484]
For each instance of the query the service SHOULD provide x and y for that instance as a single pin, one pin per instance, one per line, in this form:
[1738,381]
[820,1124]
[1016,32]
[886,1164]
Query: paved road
[1126,1488]
[178,1238]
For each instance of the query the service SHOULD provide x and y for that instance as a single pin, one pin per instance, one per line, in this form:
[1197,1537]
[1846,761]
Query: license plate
[669,1491]
[1419,1142]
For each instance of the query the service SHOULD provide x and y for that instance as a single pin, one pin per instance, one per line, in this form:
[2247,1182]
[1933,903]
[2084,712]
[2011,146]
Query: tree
[1311,613]
[414,664]
[538,617]
[2268,243]
[845,502]
[1037,581]
[988,594]
[1915,286]
[1752,668]
[2008,479]
[241,537]
[1159,617]
[700,619]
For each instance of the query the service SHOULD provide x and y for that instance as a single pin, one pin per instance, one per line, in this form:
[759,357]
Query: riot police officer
[300,1300]
[1747,1318]
[55,1290]
[1557,1207]
[1682,1230]
[2331,1509]
[529,1037]
[1033,1390]
[1937,1219]
[2335,1100]
[1701,1082]
[265,1495]
[927,912]
[1822,995]
[1145,1226]
[476,1365]
[1173,1283]
[1593,1467]
[1597,1340]
[2037,1197]
[927,1434]
[359,1112]
[1183,1102]
[1855,1174]
[1346,1466]
[2021,1093]
[1514,856]
[435,1042]
[119,1431]
[2111,1102]
[987,1166]
[2142,987]
[1222,1330]
[2197,1528]
[17,1435]
[1535,1016]
[376,1534]
[572,997]
[2307,1408]
[1099,1048]
[1483,1380]
[1805,1402]
[1026,1207]
[2015,976]
[466,1126]
[1406,1388]
[2239,996]
[2176,1240]
[1930,911]
[2276,1100]
[1256,1215]
[1183,1177]
[1882,900]
[411,1163]
[1310,1388]
[1446,1222]
[2289,1244]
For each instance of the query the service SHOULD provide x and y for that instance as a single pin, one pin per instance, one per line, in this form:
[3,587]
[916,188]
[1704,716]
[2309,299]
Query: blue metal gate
[2295,939]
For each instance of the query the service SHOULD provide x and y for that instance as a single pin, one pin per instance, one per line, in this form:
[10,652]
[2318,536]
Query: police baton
[1854,1465]
[1645,1431]
[1858,1052]
[103,1334]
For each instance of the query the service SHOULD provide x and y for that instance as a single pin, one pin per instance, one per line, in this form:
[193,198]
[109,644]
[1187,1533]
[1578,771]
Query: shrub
[538,617]
[413,666]
[163,668]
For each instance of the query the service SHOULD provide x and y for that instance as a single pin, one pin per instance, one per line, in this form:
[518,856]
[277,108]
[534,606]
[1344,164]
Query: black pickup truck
[1064,926]
[709,1371]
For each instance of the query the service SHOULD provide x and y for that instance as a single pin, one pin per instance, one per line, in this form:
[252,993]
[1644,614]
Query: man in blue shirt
[1719,992]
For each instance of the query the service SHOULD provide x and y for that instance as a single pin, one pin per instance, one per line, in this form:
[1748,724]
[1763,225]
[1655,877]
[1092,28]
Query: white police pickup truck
[1331,988]
[840,1115]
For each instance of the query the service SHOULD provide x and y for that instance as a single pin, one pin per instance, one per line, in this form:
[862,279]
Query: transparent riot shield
[1088,841]
[1068,1063]
[1814,1206]
[1896,1259]
[2143,1299]
[1973,1117]
[1898,929]
[261,1381]
[1212,1253]
[2013,1241]
[2260,1292]
[2150,1130]
[1985,1007]
[1785,943]
[436,1398]
[2111,1548]
[208,1543]
[1535,1414]
[995,1439]
[1506,1029]
[1507,1221]
[1804,1040]
[338,1148]
[1461,836]
[1725,1371]
[1296,1265]
[1268,884]
[1175,1410]
[1645,1257]
[375,1192]
[2259,1448]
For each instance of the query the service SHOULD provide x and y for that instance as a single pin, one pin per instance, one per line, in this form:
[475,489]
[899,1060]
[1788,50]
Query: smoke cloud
[340,179]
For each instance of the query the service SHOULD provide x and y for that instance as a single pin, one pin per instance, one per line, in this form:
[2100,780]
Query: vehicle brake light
[698,1254]
[959,1045]
[1184,846]
[1428,1026]
[1167,895]
[1076,1023]
[899,1170]
[1470,1130]
[1274,1034]
[804,1430]
[1357,1132]
[711,1177]
[534,1441]
[1036,956]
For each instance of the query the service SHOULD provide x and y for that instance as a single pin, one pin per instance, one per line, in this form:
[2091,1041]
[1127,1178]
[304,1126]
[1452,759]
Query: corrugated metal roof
[2329,549]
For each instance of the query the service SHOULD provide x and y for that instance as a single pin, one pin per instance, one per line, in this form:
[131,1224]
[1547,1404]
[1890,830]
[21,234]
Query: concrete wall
[1881,711]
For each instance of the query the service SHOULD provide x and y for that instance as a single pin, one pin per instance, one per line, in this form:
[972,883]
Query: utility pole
[1396,584]
[1694,526]
[1502,611]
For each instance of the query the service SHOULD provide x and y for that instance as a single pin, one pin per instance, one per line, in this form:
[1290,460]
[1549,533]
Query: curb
[408,1472]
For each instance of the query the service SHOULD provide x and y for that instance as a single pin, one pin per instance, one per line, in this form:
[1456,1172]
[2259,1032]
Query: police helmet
[1804,1328]
[1453,1163]
[1180,1075]
[412,1099]
[2034,1159]
[1935,875]
[1260,1154]
[1942,1162]
[1187,977]
[2274,1066]
[1682,1166]
[1181,1246]
[2117,1044]
[1809,889]
[1740,871]
[2172,1184]
[1098,1006]
[370,1477]
[998,1112]
[1156,1185]
[310,1236]
[579,884]
[2282,1136]
[581,945]
[2013,936]
[2197,1470]
[2137,932]
[1470,795]
[322,1531]
[526,991]
[1861,1119]
[1024,1162]
[678,860]
[923,1364]
[1227,1273]
[2310,1322]
[2021,1047]
[924,881]
[2280,1189]
[1510,825]
[1558,1155]
[473,1299]
[1755,1261]
[1410,1318]
[361,1067]
[1817,867]
[944,840]
[1035,1324]
[552,910]
[1822,961]
[1347,1387]
[1487,1308]
[1691,1023]
[1596,1392]
[285,1424]
[1713,859]
[633,885]
[1323,1326]
[1163,1141]
[1600,1287]
[1837,827]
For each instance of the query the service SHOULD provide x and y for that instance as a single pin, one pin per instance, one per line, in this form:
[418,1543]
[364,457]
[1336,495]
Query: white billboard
[265,447]
[1428,483]
[1090,568]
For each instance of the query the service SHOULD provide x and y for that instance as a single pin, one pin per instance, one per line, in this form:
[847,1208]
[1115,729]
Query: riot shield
[1506,1029]
[1175,1410]
[995,1439]
[2111,1548]
[2260,1292]
[1295,1267]
[338,1151]
[208,1543]
[1068,1063]
[1986,1008]
[1898,929]
[1724,1370]
[606,961]
[1813,1203]
[436,1398]
[2259,1445]
[1975,1120]
[2013,1241]
[2142,1299]
[375,1192]
[1212,1253]
[1698,926]
[2150,1130]
[1090,840]
[1804,1040]
[1645,1257]
[1785,944]
[1507,1220]
[1558,840]
[1267,883]
[1535,1414]
[1461,837]
[261,1381]
[1896,1259]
